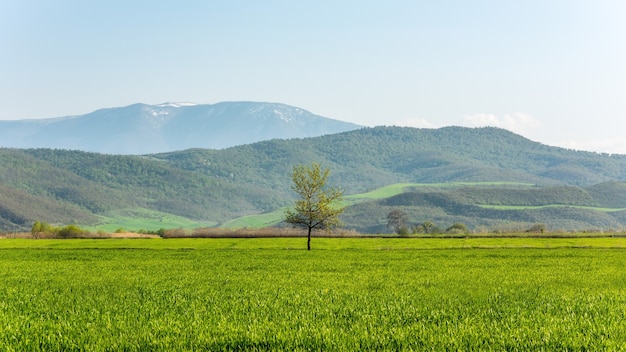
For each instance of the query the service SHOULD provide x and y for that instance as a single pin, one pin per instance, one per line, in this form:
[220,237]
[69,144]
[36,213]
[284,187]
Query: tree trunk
[308,242]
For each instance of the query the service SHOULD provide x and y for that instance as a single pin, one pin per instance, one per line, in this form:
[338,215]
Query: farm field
[346,294]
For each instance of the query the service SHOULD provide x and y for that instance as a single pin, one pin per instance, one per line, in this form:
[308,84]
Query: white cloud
[519,122]
[416,122]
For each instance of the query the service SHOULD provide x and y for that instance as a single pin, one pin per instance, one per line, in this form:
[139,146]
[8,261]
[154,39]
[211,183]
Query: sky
[553,71]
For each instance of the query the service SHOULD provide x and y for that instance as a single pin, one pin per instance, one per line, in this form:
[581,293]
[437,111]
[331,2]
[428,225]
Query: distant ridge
[146,129]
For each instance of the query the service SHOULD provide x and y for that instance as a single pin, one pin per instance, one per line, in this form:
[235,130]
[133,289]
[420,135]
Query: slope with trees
[489,208]
[220,185]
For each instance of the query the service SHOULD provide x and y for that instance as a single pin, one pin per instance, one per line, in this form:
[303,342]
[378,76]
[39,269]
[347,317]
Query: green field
[398,188]
[139,218]
[257,220]
[346,294]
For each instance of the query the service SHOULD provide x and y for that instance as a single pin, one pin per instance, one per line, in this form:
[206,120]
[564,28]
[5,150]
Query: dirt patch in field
[130,235]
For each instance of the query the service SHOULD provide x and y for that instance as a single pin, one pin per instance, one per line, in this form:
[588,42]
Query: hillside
[215,186]
[145,129]
[374,157]
[496,207]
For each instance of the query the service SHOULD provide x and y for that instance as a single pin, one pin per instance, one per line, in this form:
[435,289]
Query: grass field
[139,218]
[398,188]
[257,220]
[346,294]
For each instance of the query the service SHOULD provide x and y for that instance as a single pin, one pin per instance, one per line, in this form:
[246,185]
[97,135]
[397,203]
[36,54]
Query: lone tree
[396,220]
[317,208]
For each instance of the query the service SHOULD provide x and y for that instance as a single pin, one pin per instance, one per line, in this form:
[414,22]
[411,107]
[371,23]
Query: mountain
[213,186]
[146,129]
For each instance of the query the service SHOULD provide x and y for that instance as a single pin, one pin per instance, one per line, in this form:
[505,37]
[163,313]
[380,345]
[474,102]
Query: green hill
[493,207]
[217,186]
[374,157]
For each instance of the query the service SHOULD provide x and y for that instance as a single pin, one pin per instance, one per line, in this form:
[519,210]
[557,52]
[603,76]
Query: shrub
[36,228]
[457,228]
[42,227]
[537,228]
[160,232]
[71,231]
[403,231]
[427,228]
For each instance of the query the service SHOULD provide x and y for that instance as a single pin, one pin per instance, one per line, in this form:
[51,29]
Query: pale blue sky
[553,71]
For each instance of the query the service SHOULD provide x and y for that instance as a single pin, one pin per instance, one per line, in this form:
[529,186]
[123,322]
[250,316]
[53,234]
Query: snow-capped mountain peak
[146,129]
[176,104]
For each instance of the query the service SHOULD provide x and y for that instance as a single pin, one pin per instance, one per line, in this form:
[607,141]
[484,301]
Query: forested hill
[217,185]
[372,157]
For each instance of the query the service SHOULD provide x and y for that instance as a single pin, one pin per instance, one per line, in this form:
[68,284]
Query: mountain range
[484,177]
[147,129]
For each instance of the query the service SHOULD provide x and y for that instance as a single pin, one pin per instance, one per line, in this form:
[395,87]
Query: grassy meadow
[346,294]
[141,218]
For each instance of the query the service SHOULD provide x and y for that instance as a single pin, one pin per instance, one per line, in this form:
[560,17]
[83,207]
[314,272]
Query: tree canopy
[396,220]
[317,208]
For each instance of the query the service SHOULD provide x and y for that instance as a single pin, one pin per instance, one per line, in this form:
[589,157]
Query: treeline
[398,221]
[42,229]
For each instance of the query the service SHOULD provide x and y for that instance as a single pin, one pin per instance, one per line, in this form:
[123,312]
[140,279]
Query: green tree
[396,220]
[41,227]
[457,228]
[427,228]
[317,208]
[36,227]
